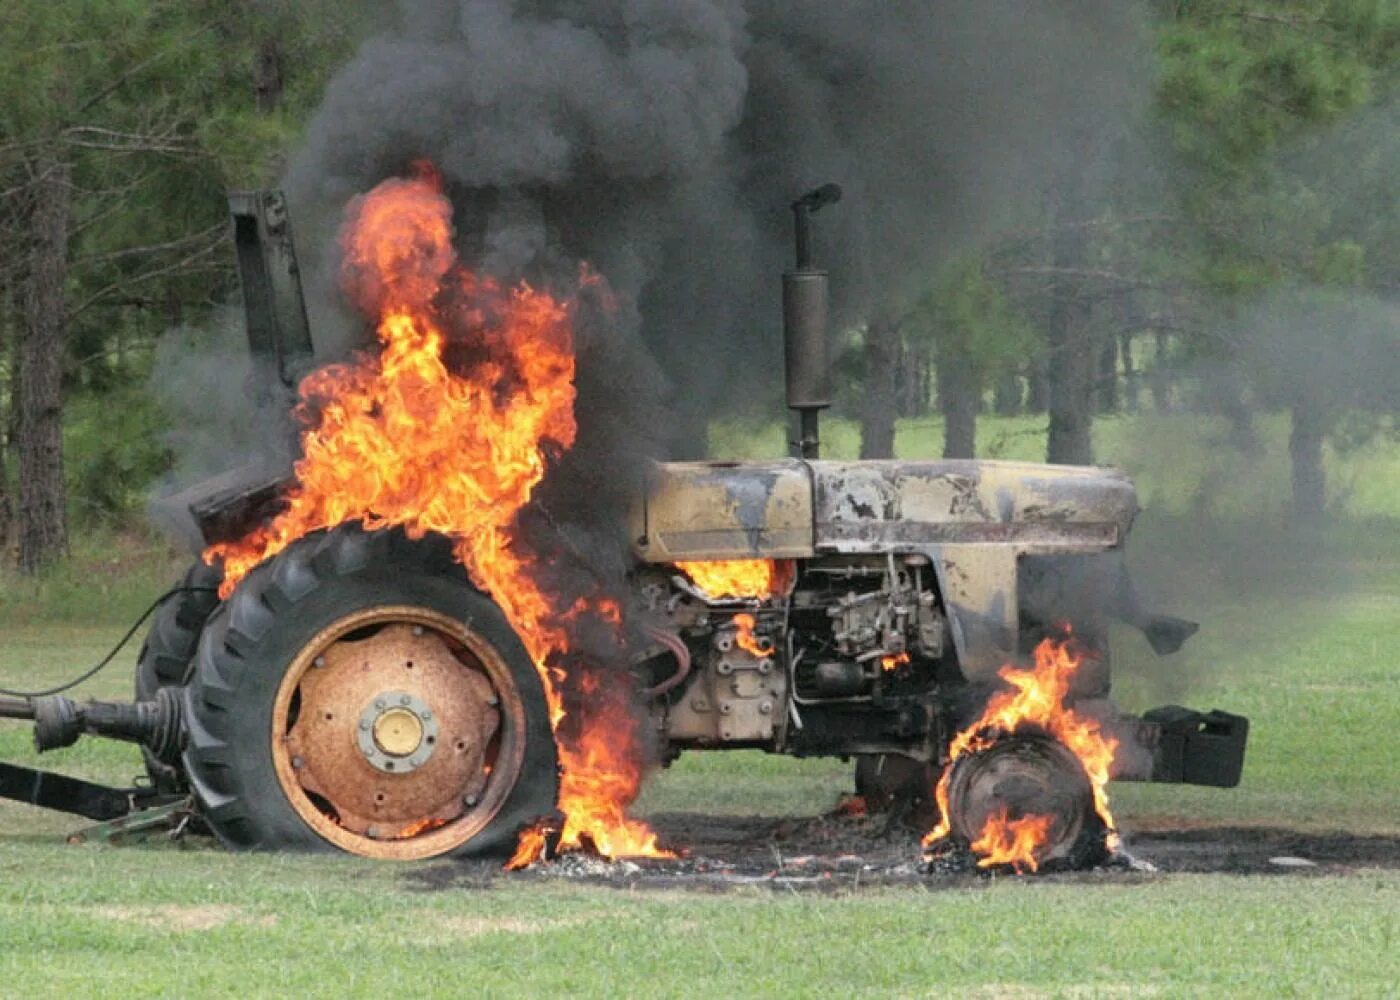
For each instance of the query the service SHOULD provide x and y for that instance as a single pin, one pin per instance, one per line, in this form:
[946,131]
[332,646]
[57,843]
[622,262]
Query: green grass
[1300,636]
[147,923]
[109,578]
[1315,673]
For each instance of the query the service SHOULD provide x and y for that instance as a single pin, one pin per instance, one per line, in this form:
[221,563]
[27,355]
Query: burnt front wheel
[356,692]
[1029,778]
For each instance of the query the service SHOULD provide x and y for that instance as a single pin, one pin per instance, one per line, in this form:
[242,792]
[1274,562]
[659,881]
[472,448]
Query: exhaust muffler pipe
[805,314]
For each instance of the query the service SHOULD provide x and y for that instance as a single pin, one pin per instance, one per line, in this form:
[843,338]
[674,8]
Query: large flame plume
[1036,700]
[449,428]
[740,578]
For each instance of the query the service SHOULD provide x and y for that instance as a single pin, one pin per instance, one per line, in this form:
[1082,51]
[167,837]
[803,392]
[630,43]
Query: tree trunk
[925,383]
[43,528]
[1038,385]
[958,398]
[1161,376]
[267,75]
[1305,449]
[1006,394]
[879,402]
[1131,389]
[1073,353]
[7,344]
[1106,384]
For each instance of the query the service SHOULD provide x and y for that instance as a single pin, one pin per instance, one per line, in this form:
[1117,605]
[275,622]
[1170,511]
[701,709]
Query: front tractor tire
[356,692]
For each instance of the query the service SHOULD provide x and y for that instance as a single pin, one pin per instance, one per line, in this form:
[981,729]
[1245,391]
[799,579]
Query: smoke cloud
[662,140]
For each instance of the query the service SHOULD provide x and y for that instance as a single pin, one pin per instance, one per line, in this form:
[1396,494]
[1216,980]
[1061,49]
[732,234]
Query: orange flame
[753,578]
[404,438]
[889,663]
[420,826]
[747,641]
[1037,700]
[530,847]
[1006,841]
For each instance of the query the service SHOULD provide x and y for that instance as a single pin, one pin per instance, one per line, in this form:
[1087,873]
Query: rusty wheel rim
[397,732]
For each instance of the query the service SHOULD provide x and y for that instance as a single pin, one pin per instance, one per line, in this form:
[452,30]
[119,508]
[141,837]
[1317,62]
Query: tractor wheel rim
[397,732]
[1024,776]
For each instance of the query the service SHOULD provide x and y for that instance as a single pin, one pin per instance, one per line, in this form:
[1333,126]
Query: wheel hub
[397,732]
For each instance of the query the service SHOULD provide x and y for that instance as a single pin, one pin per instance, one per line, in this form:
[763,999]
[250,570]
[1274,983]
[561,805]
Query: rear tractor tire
[169,649]
[356,692]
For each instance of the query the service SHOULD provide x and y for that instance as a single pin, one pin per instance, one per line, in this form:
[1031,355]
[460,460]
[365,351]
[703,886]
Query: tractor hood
[797,509]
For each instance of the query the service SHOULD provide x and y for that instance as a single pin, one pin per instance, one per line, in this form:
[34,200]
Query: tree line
[1234,251]
[1237,250]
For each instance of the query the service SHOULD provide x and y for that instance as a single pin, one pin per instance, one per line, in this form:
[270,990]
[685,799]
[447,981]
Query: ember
[403,437]
[422,826]
[890,663]
[1036,705]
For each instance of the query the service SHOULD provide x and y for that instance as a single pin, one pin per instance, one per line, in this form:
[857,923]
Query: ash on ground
[845,853]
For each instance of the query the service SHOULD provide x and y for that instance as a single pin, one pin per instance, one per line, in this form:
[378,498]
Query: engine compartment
[835,655]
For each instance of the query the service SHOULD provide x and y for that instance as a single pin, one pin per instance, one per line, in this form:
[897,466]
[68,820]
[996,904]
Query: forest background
[1226,301]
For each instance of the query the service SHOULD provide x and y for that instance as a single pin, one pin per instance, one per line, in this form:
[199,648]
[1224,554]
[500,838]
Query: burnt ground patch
[838,853]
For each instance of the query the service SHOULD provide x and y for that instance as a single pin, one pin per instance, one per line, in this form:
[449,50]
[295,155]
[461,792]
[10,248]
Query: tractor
[357,692]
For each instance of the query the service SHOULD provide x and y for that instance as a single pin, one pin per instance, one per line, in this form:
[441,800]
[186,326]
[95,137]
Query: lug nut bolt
[404,699]
[298,763]
[470,800]
[320,661]
[380,703]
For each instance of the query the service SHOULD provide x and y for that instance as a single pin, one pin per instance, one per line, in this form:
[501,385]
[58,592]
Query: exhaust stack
[804,325]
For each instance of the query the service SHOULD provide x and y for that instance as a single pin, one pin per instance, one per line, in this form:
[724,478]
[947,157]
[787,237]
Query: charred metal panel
[875,506]
[725,510]
[974,519]
[978,583]
[225,507]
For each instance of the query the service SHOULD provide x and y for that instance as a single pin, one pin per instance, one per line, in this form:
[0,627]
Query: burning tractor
[368,656]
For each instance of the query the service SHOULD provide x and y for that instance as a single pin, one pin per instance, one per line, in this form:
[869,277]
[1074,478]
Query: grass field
[1302,639]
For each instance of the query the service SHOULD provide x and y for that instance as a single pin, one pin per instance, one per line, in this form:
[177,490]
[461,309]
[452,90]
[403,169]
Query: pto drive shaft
[157,724]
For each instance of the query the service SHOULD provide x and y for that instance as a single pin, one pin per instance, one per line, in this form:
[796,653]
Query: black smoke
[662,141]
